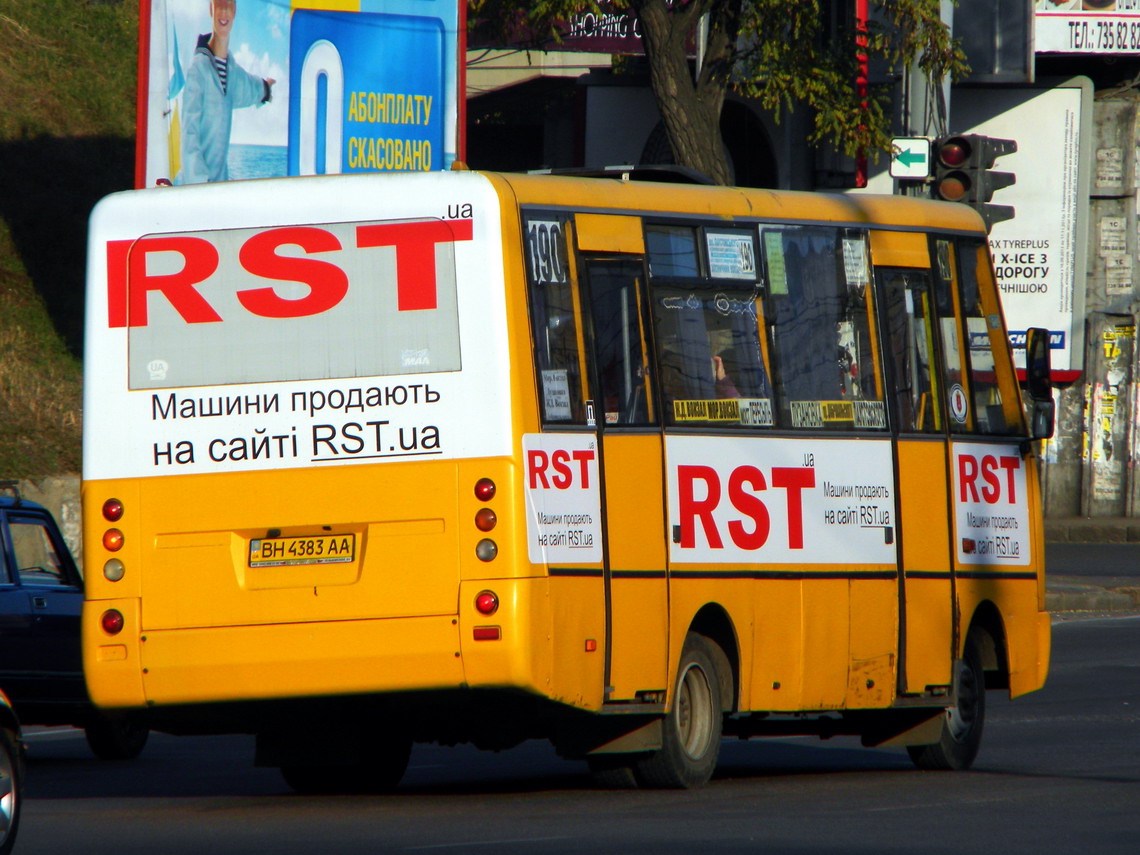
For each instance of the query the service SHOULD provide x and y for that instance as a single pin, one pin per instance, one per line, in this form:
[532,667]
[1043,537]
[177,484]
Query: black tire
[11,789]
[690,739]
[963,723]
[116,737]
[380,771]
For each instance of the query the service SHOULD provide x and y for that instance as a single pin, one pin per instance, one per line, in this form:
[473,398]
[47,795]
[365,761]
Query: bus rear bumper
[218,664]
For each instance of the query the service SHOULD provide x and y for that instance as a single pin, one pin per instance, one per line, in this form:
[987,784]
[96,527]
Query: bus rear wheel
[379,770]
[963,723]
[115,737]
[692,728]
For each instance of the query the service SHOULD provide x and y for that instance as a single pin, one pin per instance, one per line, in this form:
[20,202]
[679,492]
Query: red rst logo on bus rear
[129,284]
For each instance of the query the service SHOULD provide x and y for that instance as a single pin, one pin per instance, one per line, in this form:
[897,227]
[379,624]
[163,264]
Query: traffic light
[963,173]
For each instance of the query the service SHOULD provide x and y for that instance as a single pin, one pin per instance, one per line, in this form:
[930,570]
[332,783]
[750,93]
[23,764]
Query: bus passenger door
[926,580]
[628,423]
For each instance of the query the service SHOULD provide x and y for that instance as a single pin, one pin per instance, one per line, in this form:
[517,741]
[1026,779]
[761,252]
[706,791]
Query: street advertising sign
[1088,26]
[1040,252]
[265,88]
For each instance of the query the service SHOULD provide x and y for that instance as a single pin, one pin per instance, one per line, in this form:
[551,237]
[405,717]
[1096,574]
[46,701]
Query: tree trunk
[690,109]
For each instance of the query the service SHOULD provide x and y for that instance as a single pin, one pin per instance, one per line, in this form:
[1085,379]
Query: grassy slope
[67,104]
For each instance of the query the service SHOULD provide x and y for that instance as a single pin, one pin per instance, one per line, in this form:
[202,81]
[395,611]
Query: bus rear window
[313,302]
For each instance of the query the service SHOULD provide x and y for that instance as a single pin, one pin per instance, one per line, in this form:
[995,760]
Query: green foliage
[67,84]
[787,55]
[68,68]
[791,60]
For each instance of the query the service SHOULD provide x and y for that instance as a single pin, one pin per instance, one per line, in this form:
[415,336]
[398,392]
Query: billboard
[1039,255]
[269,88]
[1088,26]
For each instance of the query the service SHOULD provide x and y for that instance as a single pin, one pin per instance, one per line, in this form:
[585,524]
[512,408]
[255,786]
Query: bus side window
[619,331]
[996,396]
[910,343]
[707,324]
[708,349]
[823,348]
[972,335]
[556,319]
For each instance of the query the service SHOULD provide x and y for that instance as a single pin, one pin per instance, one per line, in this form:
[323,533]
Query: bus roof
[732,202]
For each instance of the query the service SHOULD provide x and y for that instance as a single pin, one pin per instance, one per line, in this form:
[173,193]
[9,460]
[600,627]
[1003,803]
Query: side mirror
[1037,382]
[1041,419]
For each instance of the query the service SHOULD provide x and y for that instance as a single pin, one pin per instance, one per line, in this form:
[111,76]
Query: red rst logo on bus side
[987,467]
[744,483]
[129,285]
[537,463]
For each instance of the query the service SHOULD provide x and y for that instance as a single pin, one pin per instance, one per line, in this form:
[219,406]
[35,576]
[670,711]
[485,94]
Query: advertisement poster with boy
[239,89]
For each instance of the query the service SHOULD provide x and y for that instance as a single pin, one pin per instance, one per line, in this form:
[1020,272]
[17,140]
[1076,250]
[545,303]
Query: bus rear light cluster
[485,520]
[113,539]
[112,621]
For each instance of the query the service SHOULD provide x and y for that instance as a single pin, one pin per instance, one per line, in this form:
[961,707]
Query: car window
[38,562]
[5,573]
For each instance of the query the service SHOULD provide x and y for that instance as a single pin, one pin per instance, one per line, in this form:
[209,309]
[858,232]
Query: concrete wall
[1091,463]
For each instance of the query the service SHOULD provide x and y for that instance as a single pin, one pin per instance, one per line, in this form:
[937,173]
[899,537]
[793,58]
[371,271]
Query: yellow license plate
[312,549]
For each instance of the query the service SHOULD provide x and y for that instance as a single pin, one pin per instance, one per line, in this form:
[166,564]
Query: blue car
[41,660]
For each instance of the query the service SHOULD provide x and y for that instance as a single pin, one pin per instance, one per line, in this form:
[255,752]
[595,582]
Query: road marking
[36,733]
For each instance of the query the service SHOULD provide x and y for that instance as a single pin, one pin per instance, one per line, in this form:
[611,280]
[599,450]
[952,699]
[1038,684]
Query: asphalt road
[1059,772]
[1110,565]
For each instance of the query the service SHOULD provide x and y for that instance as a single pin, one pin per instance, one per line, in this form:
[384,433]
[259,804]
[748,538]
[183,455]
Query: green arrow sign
[910,158]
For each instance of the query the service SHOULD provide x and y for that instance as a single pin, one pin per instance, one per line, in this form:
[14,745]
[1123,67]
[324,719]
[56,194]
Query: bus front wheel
[963,723]
[692,728]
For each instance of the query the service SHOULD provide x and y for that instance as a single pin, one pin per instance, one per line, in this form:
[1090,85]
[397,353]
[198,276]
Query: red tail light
[484,489]
[112,510]
[487,603]
[112,621]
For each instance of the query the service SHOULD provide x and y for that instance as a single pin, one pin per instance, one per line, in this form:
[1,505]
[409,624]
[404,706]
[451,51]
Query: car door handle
[39,602]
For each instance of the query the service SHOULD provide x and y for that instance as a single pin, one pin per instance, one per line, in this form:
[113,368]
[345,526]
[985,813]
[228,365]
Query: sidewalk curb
[1081,530]
[1090,598]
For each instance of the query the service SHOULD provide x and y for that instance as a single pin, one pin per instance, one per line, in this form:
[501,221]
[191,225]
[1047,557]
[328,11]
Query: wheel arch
[713,622]
[987,625]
